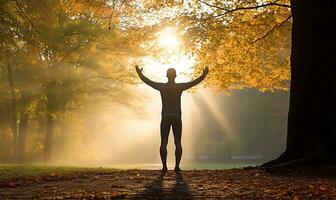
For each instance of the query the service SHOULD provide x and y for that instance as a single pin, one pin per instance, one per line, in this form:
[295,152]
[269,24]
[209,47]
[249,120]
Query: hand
[139,70]
[206,70]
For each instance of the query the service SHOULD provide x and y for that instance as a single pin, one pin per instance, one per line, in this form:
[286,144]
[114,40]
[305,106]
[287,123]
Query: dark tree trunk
[12,110]
[48,138]
[311,117]
[22,136]
[50,123]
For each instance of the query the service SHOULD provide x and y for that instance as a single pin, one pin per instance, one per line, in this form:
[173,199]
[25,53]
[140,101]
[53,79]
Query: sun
[168,39]
[157,70]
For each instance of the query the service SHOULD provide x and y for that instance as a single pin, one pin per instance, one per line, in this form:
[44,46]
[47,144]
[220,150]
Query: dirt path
[194,184]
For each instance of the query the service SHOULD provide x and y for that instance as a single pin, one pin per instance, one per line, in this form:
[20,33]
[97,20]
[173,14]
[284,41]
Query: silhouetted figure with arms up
[171,111]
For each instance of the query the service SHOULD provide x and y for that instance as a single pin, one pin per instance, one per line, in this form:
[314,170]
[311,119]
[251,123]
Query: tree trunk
[311,120]
[22,136]
[48,138]
[50,122]
[12,110]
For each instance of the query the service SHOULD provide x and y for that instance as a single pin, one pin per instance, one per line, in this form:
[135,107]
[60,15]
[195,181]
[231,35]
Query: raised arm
[196,81]
[146,80]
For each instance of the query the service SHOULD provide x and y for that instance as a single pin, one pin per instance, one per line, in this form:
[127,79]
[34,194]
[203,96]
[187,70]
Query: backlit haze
[168,40]
[214,123]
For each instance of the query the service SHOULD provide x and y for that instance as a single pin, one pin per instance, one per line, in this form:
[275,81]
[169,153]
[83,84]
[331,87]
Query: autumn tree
[14,33]
[246,43]
[53,57]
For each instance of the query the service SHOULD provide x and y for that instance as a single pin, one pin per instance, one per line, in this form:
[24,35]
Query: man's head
[171,73]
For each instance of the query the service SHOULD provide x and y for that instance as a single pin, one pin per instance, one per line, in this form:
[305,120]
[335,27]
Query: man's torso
[171,98]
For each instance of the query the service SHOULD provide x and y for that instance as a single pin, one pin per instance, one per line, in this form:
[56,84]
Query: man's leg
[165,128]
[177,131]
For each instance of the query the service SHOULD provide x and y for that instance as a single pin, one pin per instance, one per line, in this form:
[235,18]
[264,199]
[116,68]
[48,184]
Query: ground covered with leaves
[249,183]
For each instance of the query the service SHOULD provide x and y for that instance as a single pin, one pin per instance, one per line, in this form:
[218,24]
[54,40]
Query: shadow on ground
[305,170]
[166,187]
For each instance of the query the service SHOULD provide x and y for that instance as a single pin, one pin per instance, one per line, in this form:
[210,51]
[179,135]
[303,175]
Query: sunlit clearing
[157,70]
[168,39]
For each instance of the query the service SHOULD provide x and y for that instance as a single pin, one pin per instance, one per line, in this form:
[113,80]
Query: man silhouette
[171,111]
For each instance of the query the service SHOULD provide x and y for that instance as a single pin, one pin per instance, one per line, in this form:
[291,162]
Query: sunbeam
[216,112]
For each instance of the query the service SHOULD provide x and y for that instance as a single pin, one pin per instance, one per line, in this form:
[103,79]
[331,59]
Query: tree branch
[211,5]
[272,29]
[112,14]
[76,48]
[22,13]
[227,11]
[265,35]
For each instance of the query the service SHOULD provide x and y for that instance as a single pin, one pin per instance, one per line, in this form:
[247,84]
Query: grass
[13,171]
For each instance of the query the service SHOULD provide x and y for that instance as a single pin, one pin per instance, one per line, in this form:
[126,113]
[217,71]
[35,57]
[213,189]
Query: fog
[70,94]
[239,127]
